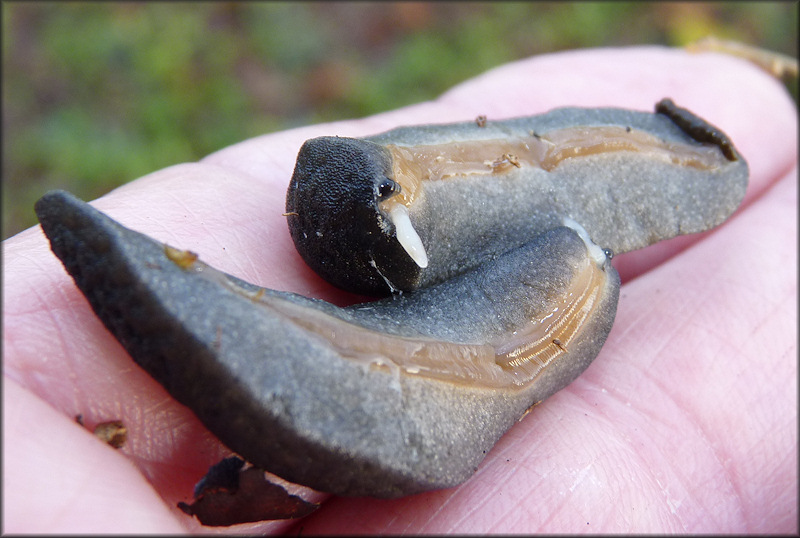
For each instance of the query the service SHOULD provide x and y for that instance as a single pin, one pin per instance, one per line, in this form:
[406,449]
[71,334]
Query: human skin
[685,422]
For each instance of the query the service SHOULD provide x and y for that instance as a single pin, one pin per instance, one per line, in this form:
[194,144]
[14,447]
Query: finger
[54,474]
[561,470]
[681,423]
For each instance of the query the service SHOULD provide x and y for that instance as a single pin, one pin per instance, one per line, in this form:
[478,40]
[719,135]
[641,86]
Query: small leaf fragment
[228,495]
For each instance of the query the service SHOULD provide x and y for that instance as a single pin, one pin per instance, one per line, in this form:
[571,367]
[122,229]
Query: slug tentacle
[407,236]
[374,399]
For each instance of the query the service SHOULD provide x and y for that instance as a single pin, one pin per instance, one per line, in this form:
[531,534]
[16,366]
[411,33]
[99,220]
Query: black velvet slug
[416,205]
[386,398]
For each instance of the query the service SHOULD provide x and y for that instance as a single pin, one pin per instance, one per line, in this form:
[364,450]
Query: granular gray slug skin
[409,393]
[416,205]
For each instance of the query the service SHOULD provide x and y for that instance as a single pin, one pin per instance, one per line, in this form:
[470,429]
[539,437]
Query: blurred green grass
[98,94]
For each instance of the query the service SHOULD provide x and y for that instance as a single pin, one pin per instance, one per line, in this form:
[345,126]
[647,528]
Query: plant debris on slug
[417,205]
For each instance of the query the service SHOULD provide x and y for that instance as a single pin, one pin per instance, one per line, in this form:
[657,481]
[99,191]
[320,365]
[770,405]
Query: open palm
[686,421]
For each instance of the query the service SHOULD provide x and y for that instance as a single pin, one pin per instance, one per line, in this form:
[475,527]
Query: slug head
[333,214]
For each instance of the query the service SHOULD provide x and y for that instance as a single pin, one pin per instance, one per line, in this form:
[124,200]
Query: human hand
[686,421]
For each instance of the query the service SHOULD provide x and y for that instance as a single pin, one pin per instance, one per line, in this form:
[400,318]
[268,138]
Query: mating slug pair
[499,235]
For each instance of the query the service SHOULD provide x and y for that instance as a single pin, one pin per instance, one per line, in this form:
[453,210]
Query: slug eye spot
[388,188]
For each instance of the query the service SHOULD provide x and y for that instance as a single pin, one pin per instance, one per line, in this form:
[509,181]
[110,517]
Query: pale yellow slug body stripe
[510,360]
[414,165]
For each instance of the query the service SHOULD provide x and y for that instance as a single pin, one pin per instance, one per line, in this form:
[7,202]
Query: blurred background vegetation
[97,94]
